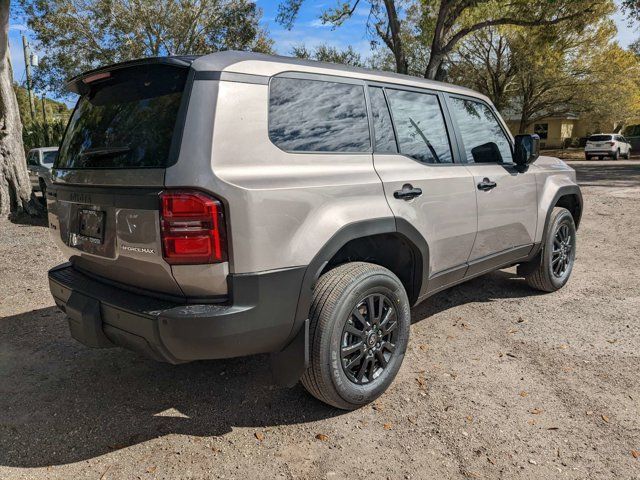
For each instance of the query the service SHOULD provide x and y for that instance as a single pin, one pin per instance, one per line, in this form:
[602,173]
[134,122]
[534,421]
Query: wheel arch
[345,245]
[569,197]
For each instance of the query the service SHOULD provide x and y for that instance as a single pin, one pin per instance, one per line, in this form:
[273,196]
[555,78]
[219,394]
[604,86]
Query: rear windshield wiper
[104,151]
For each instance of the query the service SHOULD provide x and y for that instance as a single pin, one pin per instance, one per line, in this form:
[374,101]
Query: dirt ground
[499,381]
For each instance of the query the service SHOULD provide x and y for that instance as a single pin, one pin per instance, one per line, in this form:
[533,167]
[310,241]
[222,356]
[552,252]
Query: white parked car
[39,163]
[607,145]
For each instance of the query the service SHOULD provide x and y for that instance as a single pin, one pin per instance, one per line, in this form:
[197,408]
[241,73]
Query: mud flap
[288,365]
[85,322]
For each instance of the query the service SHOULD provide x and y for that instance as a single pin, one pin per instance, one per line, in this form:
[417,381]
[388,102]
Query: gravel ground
[499,381]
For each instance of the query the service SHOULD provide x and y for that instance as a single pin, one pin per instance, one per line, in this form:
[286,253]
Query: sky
[308,30]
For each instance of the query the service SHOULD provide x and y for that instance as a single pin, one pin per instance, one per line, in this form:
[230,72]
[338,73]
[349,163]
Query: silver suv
[237,203]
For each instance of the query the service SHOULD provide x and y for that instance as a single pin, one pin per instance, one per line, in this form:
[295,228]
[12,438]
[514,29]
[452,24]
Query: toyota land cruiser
[238,203]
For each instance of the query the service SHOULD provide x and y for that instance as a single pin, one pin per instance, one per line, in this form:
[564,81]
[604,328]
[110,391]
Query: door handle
[485,185]
[407,192]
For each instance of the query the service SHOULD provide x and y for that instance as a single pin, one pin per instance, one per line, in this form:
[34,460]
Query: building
[563,131]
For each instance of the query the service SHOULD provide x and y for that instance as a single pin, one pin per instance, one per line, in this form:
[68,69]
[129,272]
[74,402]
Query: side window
[483,138]
[382,126]
[32,159]
[420,126]
[318,116]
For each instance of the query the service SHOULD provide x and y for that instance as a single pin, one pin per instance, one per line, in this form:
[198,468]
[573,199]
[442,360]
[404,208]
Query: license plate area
[91,225]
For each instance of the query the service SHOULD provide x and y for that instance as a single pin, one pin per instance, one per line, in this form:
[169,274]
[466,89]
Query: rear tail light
[192,228]
[612,143]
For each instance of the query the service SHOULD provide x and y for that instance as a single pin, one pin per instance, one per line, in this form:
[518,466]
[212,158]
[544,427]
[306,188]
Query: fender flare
[290,363]
[563,191]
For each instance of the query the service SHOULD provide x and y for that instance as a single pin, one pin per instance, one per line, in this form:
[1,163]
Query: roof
[44,149]
[269,65]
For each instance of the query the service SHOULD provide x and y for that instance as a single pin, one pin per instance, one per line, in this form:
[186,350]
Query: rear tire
[552,267]
[600,157]
[587,157]
[43,189]
[616,155]
[338,336]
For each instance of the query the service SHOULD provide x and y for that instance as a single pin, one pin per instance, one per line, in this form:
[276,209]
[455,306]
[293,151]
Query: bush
[41,134]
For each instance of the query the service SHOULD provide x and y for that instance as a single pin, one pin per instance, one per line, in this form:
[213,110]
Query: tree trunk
[15,187]
[402,65]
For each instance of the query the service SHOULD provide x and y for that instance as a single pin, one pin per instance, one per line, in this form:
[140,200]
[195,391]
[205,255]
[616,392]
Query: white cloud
[18,27]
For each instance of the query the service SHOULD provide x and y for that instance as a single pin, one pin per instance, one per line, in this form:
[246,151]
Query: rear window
[49,157]
[599,138]
[125,121]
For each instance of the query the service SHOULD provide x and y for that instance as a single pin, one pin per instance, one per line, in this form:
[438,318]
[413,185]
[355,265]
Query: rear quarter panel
[281,207]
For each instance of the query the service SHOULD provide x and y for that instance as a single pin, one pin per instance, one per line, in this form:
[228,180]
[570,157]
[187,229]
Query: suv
[607,145]
[239,203]
[39,163]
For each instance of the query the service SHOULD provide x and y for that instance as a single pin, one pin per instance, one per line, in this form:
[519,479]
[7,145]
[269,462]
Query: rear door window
[484,139]
[308,115]
[420,126]
[125,121]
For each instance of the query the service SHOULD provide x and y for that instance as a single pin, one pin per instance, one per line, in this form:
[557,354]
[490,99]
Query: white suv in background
[607,145]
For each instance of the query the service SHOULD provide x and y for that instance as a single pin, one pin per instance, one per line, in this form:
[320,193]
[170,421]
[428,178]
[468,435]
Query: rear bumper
[600,152]
[259,320]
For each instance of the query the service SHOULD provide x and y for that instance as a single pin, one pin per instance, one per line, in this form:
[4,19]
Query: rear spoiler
[79,83]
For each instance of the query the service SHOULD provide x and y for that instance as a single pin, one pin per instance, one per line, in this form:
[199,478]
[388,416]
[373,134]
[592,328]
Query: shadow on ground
[61,402]
[608,175]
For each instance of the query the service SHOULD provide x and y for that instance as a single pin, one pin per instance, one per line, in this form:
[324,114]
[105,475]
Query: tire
[600,157]
[43,189]
[543,273]
[616,155]
[587,157]
[336,296]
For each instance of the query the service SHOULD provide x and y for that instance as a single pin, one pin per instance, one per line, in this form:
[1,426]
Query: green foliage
[78,35]
[38,132]
[326,53]
[41,134]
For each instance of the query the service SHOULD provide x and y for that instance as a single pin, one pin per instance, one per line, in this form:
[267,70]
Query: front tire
[553,265]
[616,155]
[359,331]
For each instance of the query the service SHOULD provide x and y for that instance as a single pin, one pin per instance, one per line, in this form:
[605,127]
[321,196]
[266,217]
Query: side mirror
[526,150]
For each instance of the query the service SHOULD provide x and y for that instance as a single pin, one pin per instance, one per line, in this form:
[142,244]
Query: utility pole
[27,67]
[45,123]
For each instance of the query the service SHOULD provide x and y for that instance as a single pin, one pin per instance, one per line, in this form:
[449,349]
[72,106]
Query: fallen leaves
[259,436]
[604,418]
[422,382]
[387,426]
[635,453]
[536,411]
[523,394]
[322,437]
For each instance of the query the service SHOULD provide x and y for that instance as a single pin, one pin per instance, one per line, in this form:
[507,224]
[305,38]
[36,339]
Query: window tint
[483,138]
[421,130]
[383,129]
[125,121]
[318,116]
[599,138]
[49,157]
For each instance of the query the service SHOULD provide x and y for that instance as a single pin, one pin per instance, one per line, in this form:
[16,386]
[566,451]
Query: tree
[485,63]
[78,35]
[561,72]
[326,53]
[15,187]
[443,24]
